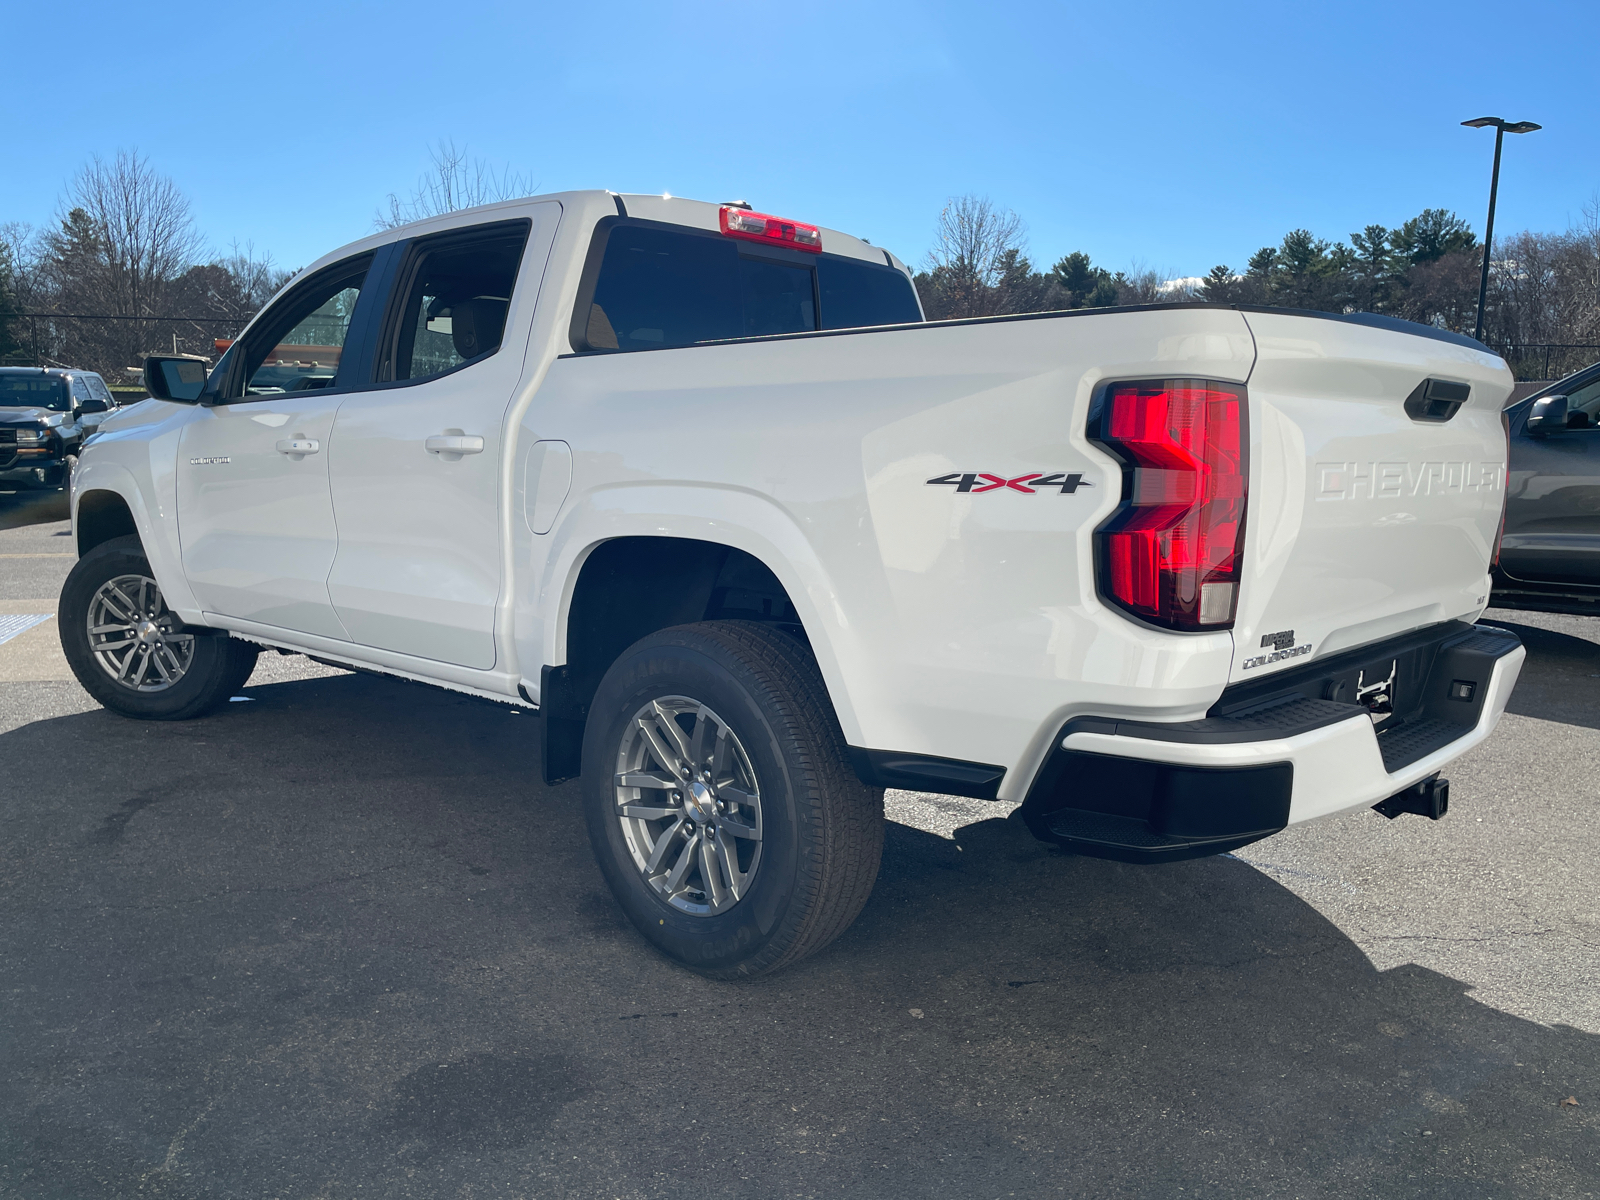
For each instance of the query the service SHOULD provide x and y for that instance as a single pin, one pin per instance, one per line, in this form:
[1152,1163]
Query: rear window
[856,293]
[662,287]
[34,391]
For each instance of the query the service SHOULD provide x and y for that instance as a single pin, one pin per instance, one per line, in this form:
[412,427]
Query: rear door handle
[453,445]
[299,447]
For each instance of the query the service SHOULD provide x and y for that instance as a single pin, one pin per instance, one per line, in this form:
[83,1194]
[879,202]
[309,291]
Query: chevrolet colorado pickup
[701,486]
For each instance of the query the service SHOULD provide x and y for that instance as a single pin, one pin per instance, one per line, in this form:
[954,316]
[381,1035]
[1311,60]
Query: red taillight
[759,227]
[1171,553]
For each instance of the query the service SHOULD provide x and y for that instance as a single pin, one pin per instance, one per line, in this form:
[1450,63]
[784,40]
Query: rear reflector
[1171,554]
[775,231]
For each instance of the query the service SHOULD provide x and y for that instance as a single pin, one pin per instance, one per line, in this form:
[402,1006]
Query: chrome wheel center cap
[699,802]
[148,631]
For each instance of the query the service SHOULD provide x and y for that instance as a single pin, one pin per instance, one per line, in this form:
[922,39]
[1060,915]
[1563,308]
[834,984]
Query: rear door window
[456,301]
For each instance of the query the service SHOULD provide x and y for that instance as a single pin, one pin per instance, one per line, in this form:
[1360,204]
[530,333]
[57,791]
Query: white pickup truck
[702,487]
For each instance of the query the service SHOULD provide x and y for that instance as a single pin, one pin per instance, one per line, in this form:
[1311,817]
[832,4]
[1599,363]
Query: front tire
[720,801]
[131,653]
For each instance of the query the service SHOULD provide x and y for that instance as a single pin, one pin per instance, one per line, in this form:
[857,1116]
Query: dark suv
[1550,555]
[45,413]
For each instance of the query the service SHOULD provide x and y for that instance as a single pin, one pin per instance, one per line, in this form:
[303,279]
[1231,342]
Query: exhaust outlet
[1430,798]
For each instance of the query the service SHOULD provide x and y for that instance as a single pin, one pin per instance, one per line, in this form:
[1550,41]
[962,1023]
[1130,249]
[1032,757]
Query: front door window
[299,345]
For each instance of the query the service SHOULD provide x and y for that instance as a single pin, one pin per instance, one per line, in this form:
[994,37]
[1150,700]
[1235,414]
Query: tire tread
[845,860]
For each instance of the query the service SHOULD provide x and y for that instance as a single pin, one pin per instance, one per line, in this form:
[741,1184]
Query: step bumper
[1145,792]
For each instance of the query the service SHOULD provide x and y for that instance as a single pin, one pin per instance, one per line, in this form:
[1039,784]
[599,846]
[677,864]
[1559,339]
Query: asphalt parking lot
[338,941]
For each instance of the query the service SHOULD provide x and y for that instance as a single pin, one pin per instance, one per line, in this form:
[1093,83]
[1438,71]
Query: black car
[42,423]
[1550,554]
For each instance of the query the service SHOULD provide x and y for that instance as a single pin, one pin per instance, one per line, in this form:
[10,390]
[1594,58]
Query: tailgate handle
[1436,400]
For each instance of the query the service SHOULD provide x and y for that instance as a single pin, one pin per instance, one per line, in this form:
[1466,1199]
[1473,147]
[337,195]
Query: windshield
[34,391]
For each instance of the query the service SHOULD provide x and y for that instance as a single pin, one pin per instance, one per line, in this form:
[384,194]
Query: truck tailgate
[1365,520]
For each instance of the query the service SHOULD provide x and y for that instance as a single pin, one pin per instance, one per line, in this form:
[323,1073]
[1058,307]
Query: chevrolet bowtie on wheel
[699,485]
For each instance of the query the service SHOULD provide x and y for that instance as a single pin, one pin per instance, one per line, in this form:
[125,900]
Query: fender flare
[159,537]
[743,519]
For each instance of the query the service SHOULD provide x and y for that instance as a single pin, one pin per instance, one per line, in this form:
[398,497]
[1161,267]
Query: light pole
[1501,128]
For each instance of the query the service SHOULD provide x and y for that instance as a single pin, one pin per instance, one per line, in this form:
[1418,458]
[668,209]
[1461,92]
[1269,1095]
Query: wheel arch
[101,514]
[624,588]
[110,500]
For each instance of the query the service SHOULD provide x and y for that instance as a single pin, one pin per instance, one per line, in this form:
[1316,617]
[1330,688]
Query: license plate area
[1422,690]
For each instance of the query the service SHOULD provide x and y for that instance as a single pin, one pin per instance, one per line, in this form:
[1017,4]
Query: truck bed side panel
[949,622]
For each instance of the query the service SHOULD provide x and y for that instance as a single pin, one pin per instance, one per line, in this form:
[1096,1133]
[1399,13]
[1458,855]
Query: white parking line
[10,626]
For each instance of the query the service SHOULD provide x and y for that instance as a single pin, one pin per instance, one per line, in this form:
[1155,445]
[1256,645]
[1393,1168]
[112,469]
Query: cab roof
[597,203]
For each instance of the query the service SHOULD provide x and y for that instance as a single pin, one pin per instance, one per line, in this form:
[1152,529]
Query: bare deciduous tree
[138,227]
[1544,289]
[124,234]
[976,246]
[979,264]
[1140,284]
[972,239]
[122,272]
[454,182]
[18,285]
[21,243]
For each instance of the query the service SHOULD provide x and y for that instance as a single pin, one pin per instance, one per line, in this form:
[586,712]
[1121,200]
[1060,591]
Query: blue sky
[1177,135]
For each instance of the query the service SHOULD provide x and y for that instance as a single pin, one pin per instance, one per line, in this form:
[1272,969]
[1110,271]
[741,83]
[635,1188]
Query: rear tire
[768,847]
[131,653]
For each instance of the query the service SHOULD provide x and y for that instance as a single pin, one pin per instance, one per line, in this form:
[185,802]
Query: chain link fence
[113,345]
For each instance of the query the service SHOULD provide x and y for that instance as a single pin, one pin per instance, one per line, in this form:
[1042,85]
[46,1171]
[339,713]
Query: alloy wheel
[689,805]
[135,638]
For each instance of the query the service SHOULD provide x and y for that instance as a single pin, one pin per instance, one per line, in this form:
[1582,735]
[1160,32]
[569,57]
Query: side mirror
[1548,413]
[169,378]
[93,406]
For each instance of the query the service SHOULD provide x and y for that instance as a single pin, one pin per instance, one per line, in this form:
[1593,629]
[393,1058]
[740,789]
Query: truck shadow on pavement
[339,937]
[1561,679]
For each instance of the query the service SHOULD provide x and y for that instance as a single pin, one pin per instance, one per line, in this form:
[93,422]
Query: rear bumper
[1145,792]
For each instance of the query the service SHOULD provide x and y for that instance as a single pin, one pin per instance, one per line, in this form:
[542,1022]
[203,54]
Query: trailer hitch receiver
[1430,798]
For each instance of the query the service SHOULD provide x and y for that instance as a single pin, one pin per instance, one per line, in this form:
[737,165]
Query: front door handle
[299,447]
[451,446]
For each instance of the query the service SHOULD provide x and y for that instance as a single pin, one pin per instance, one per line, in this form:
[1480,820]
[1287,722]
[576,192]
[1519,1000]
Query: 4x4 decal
[1037,481]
